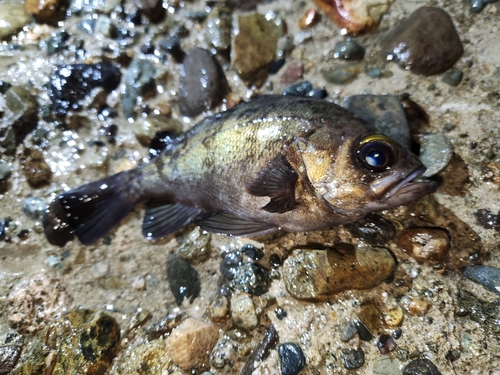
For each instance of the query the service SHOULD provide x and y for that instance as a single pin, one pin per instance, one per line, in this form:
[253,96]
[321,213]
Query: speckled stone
[319,274]
[195,246]
[218,309]
[252,278]
[190,343]
[254,48]
[355,16]
[150,358]
[139,81]
[426,42]
[353,358]
[202,83]
[9,355]
[292,359]
[243,312]
[218,27]
[421,367]
[348,332]
[34,207]
[393,317]
[453,77]
[35,168]
[223,354]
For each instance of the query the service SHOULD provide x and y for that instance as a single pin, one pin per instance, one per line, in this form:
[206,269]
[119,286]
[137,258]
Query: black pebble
[275,260]
[252,252]
[280,313]
[353,358]
[298,89]
[4,86]
[363,332]
[397,333]
[292,359]
[374,230]
[184,280]
[420,367]
[452,355]
[231,261]
[252,278]
[72,83]
[4,223]
[487,219]
[317,93]
[276,66]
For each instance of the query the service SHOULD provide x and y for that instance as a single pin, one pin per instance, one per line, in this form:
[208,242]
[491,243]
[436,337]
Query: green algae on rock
[316,275]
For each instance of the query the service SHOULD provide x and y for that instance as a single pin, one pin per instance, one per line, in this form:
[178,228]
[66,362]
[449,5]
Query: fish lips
[408,189]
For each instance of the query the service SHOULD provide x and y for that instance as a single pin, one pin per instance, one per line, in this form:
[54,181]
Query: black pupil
[375,158]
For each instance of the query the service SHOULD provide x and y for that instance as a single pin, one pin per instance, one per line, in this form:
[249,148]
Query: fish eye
[377,152]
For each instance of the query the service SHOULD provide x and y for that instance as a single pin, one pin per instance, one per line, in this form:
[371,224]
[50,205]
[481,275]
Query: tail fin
[93,209]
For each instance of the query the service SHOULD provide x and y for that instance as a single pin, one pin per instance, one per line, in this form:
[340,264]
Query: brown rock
[356,16]
[418,307]
[35,168]
[393,317]
[369,316]
[190,344]
[318,274]
[309,19]
[292,73]
[426,43]
[424,244]
[43,10]
[254,48]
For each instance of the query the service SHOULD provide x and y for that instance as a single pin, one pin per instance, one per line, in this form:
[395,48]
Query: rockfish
[274,163]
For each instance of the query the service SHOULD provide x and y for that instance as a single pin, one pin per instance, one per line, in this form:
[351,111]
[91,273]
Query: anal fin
[236,225]
[162,219]
[277,181]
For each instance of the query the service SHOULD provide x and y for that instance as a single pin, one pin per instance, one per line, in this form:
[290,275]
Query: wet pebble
[231,261]
[5,169]
[368,321]
[298,89]
[254,48]
[435,153]
[385,365]
[385,112]
[285,45]
[243,312]
[19,117]
[172,45]
[348,332]
[139,81]
[424,244]
[420,367]
[319,274]
[280,313]
[393,317]
[386,344]
[195,246]
[223,354]
[252,252]
[485,218]
[71,84]
[292,360]
[189,345]
[9,355]
[149,358]
[453,77]
[309,19]
[341,75]
[252,278]
[353,358]
[292,73]
[477,6]
[374,230]
[218,27]
[487,276]
[13,16]
[426,42]
[184,280]
[355,17]
[34,207]
[100,269]
[317,93]
[42,10]
[418,307]
[261,351]
[348,50]
[35,168]
[218,309]
[203,84]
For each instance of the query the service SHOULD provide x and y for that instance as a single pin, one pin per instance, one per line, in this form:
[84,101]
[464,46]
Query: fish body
[277,162]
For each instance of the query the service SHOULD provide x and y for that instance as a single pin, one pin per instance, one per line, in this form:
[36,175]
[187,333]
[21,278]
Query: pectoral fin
[277,181]
[162,219]
[228,223]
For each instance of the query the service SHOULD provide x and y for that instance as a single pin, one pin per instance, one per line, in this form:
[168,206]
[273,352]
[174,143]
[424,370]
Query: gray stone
[139,81]
[35,207]
[435,153]
[487,276]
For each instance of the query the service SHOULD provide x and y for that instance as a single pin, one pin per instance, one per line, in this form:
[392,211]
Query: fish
[273,163]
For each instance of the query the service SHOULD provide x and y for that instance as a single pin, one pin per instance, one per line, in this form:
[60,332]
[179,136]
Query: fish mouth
[409,189]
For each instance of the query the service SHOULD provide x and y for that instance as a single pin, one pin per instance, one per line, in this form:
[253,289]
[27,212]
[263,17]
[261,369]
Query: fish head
[359,171]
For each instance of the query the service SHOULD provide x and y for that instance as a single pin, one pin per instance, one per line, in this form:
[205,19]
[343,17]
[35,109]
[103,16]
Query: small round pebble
[243,312]
[183,279]
[231,261]
[353,358]
[424,244]
[280,313]
[292,359]
[252,278]
[435,153]
[453,77]
[341,75]
[34,207]
[292,73]
[386,344]
[298,89]
[309,19]
[349,332]
[420,367]
[348,50]
[223,354]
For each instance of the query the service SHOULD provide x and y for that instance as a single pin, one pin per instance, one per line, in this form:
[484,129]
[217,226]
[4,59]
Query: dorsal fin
[277,181]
